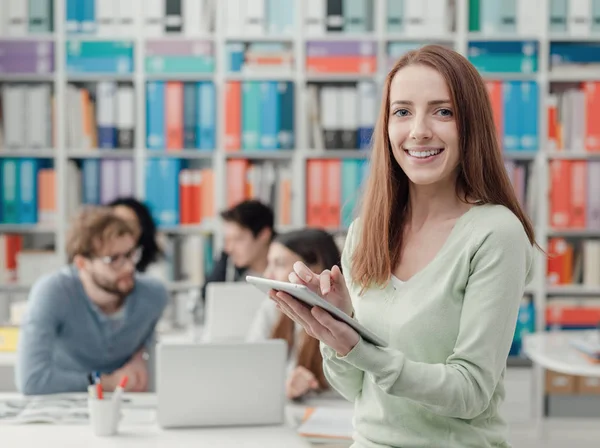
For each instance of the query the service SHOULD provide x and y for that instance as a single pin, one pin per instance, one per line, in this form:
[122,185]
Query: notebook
[323,424]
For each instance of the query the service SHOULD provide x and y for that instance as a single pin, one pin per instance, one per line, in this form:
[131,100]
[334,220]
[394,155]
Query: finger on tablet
[303,272]
[325,282]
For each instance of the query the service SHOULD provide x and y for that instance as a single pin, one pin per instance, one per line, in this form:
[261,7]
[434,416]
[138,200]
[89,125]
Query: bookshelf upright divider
[60,154]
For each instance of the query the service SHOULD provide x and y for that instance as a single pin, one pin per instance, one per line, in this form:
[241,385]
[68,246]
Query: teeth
[423,154]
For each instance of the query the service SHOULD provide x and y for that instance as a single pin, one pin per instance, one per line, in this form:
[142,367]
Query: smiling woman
[436,264]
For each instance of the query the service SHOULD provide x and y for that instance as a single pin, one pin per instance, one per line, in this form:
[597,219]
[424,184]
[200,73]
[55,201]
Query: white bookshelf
[298,157]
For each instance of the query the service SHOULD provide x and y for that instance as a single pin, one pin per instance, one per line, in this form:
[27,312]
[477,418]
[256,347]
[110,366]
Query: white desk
[552,351]
[138,429]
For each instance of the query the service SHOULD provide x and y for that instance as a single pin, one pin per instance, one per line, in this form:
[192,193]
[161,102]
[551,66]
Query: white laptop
[230,311]
[229,384]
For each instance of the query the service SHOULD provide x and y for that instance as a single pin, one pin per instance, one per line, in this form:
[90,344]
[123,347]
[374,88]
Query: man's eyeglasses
[117,261]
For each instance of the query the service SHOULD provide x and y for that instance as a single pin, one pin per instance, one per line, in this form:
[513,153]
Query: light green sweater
[449,330]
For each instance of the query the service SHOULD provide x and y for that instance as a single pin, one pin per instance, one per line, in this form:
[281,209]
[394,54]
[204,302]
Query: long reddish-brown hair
[481,172]
[317,249]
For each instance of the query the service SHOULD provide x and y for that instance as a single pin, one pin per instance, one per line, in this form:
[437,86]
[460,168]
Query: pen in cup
[99,391]
[91,386]
[120,389]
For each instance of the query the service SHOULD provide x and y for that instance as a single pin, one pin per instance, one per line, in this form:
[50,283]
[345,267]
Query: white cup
[104,416]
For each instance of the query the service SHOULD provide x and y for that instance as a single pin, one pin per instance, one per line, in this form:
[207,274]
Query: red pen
[120,389]
[99,391]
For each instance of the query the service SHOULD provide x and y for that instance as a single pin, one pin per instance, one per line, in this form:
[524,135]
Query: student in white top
[317,249]
[440,214]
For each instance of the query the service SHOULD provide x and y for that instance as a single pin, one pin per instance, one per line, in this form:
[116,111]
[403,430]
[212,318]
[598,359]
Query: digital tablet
[305,295]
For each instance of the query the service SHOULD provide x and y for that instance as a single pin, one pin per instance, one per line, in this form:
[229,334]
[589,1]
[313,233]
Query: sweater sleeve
[264,321]
[343,376]
[462,387]
[35,372]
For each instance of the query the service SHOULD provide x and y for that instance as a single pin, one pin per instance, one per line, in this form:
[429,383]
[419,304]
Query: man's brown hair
[91,228]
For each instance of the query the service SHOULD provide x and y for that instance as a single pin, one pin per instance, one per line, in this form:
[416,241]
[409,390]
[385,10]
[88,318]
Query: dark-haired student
[95,314]
[138,216]
[436,265]
[248,231]
[317,249]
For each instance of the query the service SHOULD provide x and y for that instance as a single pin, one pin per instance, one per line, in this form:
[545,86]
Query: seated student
[94,314]
[140,220]
[248,228]
[315,248]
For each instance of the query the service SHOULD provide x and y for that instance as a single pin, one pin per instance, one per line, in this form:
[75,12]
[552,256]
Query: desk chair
[230,310]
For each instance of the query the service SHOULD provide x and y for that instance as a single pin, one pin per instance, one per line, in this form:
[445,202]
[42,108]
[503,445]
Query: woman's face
[422,127]
[128,215]
[280,262]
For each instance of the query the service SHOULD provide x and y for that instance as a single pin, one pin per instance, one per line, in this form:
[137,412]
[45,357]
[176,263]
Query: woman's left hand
[318,323]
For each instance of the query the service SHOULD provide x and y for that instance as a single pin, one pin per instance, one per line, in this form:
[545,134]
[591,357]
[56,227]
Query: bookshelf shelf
[340,77]
[81,37]
[261,155]
[96,77]
[575,233]
[26,77]
[573,155]
[574,76]
[475,36]
[180,76]
[14,288]
[30,37]
[520,155]
[266,38]
[29,154]
[101,154]
[573,38]
[27,228]
[400,37]
[574,290]
[343,37]
[189,154]
[337,154]
[273,76]
[193,229]
[499,76]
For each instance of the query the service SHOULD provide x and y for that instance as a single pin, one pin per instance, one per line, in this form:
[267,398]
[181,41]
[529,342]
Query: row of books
[28,194]
[332,191]
[508,16]
[573,262]
[574,203]
[179,56]
[573,314]
[96,182]
[27,116]
[342,116]
[523,178]
[515,106]
[572,117]
[111,17]
[26,56]
[268,182]
[259,115]
[259,57]
[100,115]
[21,17]
[181,115]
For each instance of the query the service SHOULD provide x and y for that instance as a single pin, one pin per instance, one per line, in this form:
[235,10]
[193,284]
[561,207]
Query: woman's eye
[401,113]
[445,112]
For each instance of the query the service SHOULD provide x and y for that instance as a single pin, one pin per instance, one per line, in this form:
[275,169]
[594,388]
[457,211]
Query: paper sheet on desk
[44,409]
[327,423]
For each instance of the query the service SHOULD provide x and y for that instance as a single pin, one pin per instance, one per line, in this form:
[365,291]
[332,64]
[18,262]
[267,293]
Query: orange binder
[233,115]
[174,115]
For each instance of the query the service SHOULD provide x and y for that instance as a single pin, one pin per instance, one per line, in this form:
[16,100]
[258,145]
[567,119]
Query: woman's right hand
[329,284]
